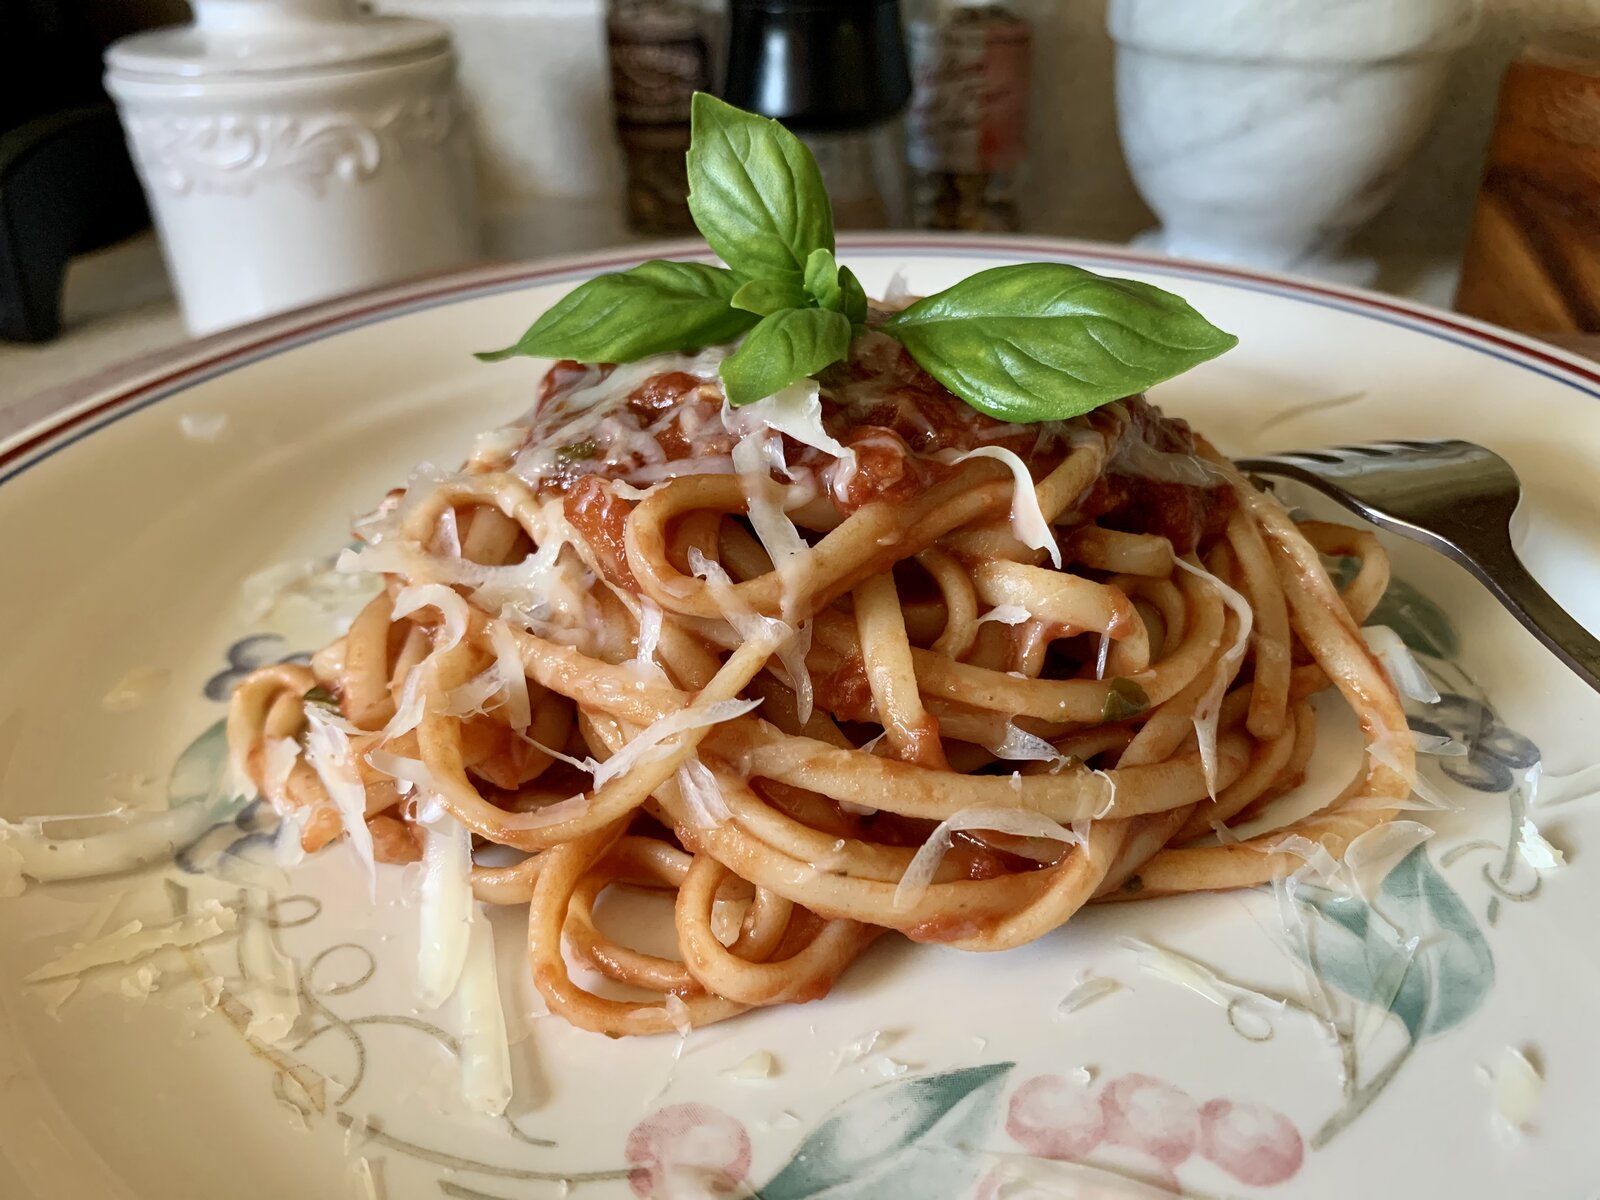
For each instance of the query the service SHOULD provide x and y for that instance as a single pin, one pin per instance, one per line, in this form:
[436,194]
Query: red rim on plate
[101,402]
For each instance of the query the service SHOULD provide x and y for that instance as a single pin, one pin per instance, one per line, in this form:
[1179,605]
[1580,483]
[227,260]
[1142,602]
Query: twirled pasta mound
[853,659]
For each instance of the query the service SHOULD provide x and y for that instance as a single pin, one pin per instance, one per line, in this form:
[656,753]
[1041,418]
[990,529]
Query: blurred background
[290,150]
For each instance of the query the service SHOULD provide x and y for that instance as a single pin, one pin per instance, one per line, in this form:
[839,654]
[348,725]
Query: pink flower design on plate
[1053,1117]
[687,1150]
[1253,1143]
[1147,1114]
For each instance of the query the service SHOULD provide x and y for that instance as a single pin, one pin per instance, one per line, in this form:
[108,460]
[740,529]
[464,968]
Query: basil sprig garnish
[1031,342]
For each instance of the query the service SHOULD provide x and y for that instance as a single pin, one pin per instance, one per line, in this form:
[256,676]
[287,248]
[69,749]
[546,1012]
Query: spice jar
[658,61]
[969,101]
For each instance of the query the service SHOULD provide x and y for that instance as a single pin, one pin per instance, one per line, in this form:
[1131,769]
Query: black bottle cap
[818,65]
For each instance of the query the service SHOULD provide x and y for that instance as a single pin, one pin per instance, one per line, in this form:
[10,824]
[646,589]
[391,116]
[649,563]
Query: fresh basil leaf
[320,696]
[1125,699]
[766,296]
[755,192]
[654,308]
[853,302]
[822,279]
[1047,341]
[786,346]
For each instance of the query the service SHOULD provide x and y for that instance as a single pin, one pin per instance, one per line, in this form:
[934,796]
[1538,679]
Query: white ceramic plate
[928,1074]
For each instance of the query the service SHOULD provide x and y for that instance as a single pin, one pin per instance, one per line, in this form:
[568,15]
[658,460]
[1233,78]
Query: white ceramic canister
[1265,131]
[294,150]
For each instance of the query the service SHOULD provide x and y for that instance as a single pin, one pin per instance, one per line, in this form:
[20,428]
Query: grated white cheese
[648,744]
[451,604]
[1027,518]
[408,708]
[754,1066]
[1372,855]
[1236,1000]
[1443,747]
[1085,992]
[1537,851]
[411,773]
[1518,1089]
[288,842]
[1210,706]
[513,676]
[792,642]
[701,795]
[270,989]
[135,940]
[795,410]
[141,983]
[135,689]
[446,905]
[328,752]
[1397,659]
[1021,822]
[1381,750]
[649,640]
[136,840]
[755,457]
[1019,745]
[472,697]
[481,1023]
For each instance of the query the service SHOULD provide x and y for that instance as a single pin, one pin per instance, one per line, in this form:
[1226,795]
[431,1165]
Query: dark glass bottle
[834,72]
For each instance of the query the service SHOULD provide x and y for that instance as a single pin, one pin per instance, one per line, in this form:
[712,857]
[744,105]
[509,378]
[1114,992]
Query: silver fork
[1454,497]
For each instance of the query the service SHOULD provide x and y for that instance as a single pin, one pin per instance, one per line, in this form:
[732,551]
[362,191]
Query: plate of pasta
[812,717]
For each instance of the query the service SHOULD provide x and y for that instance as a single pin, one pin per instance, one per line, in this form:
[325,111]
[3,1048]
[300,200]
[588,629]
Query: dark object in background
[969,104]
[1533,258]
[658,61]
[835,73]
[66,183]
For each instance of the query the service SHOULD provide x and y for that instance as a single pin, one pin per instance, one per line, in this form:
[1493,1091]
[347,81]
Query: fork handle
[1525,599]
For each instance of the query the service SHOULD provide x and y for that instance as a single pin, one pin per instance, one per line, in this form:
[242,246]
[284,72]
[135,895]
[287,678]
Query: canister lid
[273,38]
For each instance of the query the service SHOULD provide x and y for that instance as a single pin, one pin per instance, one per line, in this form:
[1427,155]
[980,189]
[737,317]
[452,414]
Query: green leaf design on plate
[196,773]
[1421,623]
[1447,977]
[911,1139]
